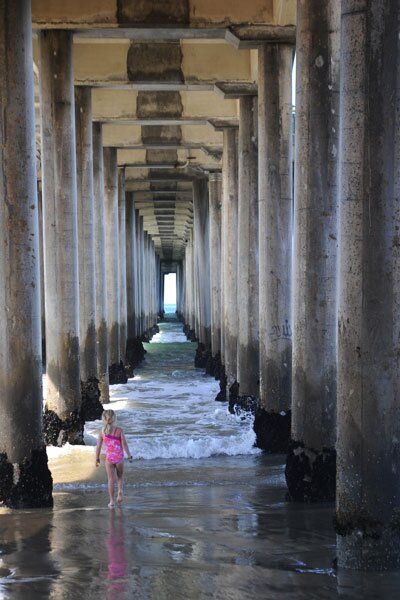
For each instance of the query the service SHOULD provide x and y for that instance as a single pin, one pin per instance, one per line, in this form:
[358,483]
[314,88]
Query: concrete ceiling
[165,76]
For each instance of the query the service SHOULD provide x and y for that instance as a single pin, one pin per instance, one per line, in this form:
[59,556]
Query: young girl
[115,443]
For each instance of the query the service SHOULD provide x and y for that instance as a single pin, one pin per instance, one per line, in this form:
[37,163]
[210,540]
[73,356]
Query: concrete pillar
[116,369]
[134,348]
[310,469]
[229,224]
[130,268]
[215,190]
[137,273]
[25,480]
[100,264]
[272,422]
[41,251]
[91,408]
[122,263]
[202,270]
[141,277]
[247,248]
[62,390]
[368,490]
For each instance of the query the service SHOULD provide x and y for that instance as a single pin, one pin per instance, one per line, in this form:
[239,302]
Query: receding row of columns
[95,249]
[293,273]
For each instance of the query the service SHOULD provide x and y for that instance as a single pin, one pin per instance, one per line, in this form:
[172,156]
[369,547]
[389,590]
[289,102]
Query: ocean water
[204,513]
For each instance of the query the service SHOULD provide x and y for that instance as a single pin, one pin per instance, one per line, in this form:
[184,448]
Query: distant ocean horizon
[170,308]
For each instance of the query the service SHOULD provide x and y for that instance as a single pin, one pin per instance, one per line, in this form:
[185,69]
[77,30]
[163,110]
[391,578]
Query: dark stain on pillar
[28,484]
[310,474]
[279,377]
[155,61]
[272,430]
[59,431]
[223,381]
[202,356]
[91,407]
[135,351]
[156,12]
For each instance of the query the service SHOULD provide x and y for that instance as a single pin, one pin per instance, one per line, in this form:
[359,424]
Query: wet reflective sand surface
[194,523]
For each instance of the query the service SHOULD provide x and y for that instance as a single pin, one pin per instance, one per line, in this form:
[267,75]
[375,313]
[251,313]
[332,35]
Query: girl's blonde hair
[109,419]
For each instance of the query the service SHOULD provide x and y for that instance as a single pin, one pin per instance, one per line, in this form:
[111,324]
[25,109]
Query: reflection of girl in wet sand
[117,563]
[115,443]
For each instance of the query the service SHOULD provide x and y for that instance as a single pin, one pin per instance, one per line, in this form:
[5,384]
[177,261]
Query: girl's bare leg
[111,475]
[119,467]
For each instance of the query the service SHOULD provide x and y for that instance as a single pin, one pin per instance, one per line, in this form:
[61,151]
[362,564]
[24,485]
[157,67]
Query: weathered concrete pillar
[368,489]
[91,408]
[202,270]
[116,368]
[247,248]
[229,225]
[215,192]
[272,421]
[137,274]
[141,277]
[25,480]
[41,251]
[310,469]
[62,390]
[134,349]
[130,265]
[122,265]
[100,264]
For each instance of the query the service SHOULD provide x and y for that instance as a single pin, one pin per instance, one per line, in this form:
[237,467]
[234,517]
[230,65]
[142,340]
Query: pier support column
[63,390]
[248,367]
[310,468]
[134,349]
[202,269]
[272,420]
[215,190]
[368,445]
[229,225]
[116,367]
[91,408]
[122,268]
[100,264]
[25,480]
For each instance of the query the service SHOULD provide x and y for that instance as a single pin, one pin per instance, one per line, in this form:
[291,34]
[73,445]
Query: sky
[170,288]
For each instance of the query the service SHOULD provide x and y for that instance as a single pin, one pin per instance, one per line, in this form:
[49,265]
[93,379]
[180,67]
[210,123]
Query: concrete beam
[158,16]
[109,105]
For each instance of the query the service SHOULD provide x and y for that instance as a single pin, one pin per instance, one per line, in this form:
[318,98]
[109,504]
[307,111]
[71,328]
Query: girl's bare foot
[111,504]
[119,497]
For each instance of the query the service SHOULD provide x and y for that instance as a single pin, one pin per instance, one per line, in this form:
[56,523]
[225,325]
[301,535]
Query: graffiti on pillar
[281,332]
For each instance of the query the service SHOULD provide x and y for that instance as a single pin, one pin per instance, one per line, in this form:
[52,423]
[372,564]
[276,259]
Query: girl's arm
[98,448]
[125,446]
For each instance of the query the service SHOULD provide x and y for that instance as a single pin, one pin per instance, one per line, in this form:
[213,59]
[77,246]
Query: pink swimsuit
[114,450]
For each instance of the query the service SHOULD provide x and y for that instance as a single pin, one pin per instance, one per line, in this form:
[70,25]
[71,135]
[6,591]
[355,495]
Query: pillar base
[117,374]
[135,351]
[213,366]
[367,544]
[272,430]
[190,333]
[57,432]
[202,356]
[310,474]
[28,484]
[241,404]
[223,380]
[91,407]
